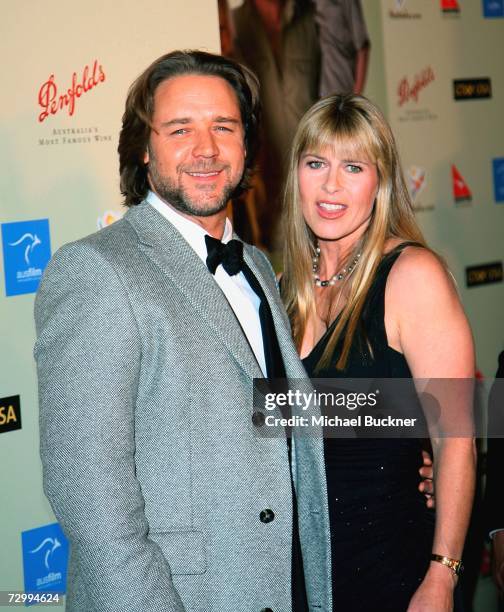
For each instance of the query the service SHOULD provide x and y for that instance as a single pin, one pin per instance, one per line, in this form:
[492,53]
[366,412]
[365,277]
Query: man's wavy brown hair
[137,118]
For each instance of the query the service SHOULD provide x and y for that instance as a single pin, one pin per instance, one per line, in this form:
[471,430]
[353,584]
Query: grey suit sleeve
[88,357]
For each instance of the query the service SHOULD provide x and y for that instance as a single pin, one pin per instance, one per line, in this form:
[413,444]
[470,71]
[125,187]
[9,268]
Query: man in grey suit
[150,334]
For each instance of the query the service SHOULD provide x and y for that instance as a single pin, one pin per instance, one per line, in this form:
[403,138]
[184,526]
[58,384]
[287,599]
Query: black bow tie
[230,255]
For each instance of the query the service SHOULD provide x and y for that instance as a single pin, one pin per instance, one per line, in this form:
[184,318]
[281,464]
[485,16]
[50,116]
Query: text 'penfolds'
[52,101]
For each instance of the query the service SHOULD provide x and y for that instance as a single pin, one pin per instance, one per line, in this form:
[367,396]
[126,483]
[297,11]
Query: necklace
[339,276]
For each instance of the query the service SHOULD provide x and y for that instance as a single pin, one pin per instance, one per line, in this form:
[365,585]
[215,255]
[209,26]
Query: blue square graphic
[498,178]
[45,559]
[493,8]
[26,253]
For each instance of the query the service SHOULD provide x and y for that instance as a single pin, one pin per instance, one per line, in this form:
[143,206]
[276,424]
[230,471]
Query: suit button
[267,515]
[258,418]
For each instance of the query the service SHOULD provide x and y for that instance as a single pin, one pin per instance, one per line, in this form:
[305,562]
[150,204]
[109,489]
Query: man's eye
[179,132]
[223,128]
[353,169]
[315,164]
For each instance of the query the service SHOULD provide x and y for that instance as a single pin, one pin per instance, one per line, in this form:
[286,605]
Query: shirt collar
[193,233]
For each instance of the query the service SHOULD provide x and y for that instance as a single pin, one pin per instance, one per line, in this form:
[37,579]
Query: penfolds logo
[407,91]
[52,101]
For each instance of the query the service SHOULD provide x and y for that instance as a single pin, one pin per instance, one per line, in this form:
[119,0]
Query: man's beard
[177,196]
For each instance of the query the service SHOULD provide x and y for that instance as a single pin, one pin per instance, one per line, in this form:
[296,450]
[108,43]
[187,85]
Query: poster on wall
[26,252]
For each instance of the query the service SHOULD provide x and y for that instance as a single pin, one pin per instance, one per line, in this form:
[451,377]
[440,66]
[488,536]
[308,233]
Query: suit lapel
[164,245]
[290,357]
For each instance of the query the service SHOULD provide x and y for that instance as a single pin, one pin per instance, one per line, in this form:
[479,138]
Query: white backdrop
[65,169]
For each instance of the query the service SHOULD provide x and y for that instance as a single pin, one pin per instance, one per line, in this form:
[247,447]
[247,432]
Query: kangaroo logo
[51,544]
[33,241]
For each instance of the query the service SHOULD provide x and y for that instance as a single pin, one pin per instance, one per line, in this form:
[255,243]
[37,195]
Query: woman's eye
[353,169]
[314,164]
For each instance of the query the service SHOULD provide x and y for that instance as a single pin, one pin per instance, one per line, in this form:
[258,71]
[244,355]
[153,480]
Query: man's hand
[498,560]
[426,485]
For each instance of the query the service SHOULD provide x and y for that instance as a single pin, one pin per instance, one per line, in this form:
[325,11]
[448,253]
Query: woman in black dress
[367,298]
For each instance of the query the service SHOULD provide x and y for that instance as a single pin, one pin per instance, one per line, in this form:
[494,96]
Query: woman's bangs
[349,142]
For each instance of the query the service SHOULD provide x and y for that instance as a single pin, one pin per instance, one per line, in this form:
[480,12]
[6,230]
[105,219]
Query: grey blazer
[149,454]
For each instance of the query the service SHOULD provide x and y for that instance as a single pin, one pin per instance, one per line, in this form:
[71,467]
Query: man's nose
[206,145]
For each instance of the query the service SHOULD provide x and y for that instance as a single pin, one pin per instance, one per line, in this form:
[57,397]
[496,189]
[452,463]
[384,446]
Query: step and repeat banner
[65,75]
[436,70]
[444,83]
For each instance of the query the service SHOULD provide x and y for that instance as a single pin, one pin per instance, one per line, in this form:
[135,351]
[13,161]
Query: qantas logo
[450,6]
[461,191]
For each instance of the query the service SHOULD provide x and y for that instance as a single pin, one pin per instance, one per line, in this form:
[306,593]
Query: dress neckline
[331,326]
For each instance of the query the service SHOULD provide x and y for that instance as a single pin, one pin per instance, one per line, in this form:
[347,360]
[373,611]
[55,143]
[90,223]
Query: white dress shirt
[242,299]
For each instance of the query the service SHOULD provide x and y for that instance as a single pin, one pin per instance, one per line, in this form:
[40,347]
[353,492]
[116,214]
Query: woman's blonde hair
[355,128]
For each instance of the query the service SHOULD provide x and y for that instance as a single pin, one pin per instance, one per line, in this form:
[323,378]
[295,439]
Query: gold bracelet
[454,564]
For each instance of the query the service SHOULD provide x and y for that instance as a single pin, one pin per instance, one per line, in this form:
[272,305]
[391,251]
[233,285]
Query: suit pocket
[183,550]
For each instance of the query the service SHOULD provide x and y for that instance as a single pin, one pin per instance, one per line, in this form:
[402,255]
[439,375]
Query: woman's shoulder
[425,319]
[407,260]
[400,246]
[419,277]
[416,261]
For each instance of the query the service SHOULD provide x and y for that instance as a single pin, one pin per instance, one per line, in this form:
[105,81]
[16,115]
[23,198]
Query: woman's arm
[426,322]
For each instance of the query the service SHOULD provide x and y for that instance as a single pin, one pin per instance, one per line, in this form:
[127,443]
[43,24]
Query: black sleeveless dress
[381,529]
